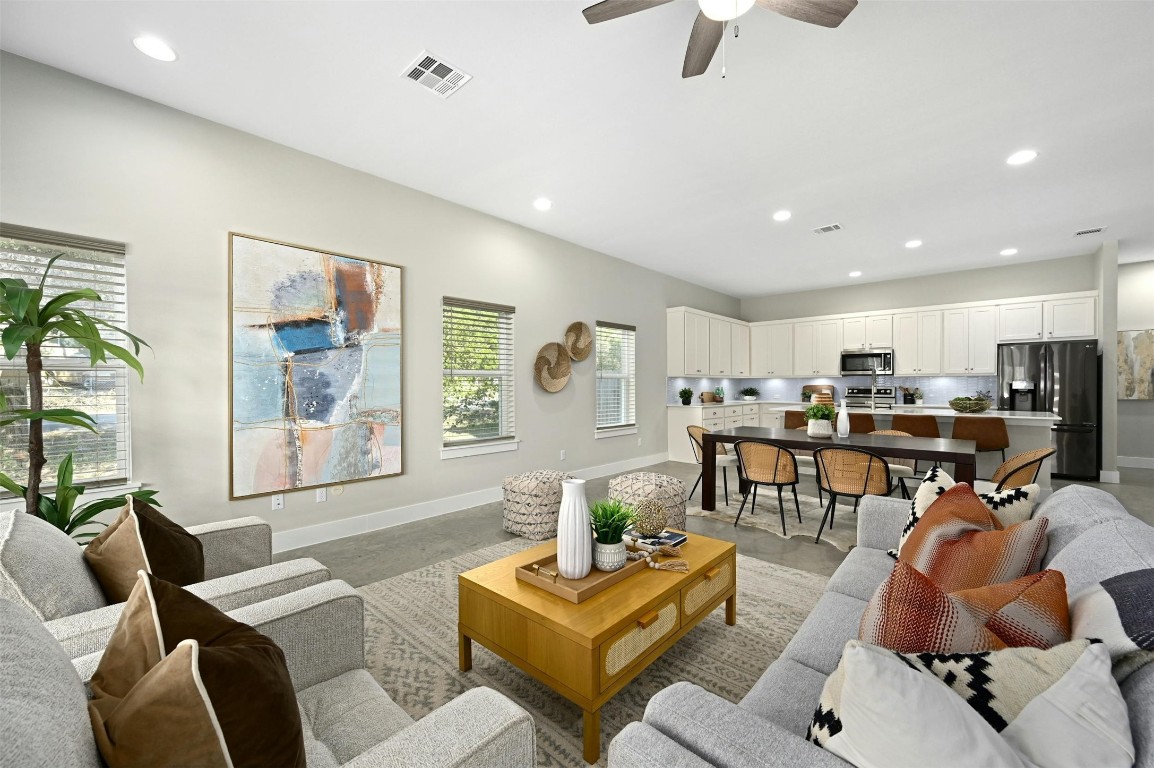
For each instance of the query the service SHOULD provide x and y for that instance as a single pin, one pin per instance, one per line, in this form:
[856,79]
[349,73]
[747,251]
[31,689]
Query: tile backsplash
[938,390]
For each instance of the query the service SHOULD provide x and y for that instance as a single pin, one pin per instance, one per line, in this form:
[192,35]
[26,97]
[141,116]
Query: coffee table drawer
[621,652]
[702,593]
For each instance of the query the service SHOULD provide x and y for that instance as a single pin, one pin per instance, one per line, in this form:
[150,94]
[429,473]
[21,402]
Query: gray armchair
[348,719]
[43,570]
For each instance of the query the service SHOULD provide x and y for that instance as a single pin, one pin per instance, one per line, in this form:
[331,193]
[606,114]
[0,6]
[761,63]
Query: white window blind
[616,375]
[478,377]
[69,380]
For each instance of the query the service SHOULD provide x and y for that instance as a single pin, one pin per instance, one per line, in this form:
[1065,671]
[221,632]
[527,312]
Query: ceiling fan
[715,14]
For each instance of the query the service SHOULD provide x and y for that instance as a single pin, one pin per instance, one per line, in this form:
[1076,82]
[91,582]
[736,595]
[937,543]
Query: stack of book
[667,537]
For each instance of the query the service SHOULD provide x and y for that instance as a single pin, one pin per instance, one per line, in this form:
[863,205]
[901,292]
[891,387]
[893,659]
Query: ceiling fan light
[724,10]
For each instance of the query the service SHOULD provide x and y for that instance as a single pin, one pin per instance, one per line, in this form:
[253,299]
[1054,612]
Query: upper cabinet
[869,332]
[739,349]
[969,341]
[771,350]
[917,343]
[1070,318]
[1020,322]
[817,348]
[687,343]
[720,348]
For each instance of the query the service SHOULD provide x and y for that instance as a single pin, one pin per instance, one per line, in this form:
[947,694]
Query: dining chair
[852,472]
[989,432]
[861,423]
[918,425]
[803,458]
[723,460]
[1016,471]
[794,420]
[899,468]
[763,463]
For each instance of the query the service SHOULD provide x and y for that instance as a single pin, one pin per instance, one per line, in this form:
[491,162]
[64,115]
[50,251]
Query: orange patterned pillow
[960,544]
[911,614]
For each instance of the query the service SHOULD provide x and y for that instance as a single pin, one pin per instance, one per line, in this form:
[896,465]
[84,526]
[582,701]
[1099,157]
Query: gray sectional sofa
[1091,537]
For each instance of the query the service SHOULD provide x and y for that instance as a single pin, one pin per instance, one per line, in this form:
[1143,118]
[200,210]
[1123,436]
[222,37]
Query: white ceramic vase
[843,421]
[819,428]
[609,557]
[574,534]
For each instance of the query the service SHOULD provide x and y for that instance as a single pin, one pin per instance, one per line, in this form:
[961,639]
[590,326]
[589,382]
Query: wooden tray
[574,590]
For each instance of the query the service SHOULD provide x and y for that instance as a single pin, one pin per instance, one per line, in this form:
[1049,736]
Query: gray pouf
[668,491]
[532,503]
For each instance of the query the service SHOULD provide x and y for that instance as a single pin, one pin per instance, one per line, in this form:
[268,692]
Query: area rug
[766,517]
[411,647]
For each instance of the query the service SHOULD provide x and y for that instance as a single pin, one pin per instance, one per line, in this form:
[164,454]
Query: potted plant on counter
[819,420]
[918,397]
[750,393]
[609,519]
[719,394]
[686,395]
[980,402]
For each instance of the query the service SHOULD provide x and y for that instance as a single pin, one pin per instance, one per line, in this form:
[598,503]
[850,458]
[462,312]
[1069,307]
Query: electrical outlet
[338,490]
[562,455]
[322,495]
[278,501]
[777,397]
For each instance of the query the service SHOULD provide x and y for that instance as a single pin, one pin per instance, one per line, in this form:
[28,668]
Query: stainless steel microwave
[862,363]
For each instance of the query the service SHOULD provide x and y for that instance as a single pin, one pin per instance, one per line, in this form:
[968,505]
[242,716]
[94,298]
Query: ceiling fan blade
[613,9]
[825,13]
[703,42]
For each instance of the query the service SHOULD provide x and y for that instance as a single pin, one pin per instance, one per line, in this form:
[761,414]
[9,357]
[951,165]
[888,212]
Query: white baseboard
[1136,462]
[387,518]
[1109,477]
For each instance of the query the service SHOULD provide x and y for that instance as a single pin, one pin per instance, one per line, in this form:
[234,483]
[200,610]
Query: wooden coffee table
[589,651]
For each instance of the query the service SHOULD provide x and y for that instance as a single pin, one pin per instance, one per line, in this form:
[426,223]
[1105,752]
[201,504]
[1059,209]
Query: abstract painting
[315,343]
[1136,365]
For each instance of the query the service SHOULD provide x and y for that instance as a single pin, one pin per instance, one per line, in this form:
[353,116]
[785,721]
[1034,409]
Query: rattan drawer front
[620,653]
[703,592]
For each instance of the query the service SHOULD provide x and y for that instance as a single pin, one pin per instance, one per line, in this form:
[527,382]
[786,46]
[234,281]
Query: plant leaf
[53,307]
[14,337]
[64,473]
[12,486]
[54,415]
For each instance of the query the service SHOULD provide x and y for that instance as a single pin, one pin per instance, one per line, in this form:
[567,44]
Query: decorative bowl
[970,405]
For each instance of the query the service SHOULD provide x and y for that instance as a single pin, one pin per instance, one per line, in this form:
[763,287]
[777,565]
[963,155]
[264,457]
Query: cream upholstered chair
[849,472]
[767,464]
[1016,471]
[724,458]
[43,570]
[901,469]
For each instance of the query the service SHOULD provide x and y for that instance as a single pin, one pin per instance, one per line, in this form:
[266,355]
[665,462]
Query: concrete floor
[392,551]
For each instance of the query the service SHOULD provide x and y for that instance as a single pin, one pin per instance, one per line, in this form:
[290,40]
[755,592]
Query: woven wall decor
[578,341]
[552,367]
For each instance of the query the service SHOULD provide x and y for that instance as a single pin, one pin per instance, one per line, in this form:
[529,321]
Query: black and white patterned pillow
[1120,612]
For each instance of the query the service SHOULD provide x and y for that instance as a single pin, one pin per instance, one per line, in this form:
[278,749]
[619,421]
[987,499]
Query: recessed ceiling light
[855,273]
[782,216]
[1009,251]
[154,47]
[913,243]
[542,203]
[1021,157]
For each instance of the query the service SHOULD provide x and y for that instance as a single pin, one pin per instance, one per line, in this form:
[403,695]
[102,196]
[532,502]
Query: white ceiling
[896,125]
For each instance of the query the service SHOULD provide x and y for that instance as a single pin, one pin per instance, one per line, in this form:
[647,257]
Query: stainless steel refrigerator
[1062,378]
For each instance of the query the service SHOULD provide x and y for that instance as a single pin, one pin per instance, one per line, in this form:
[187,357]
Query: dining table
[961,453]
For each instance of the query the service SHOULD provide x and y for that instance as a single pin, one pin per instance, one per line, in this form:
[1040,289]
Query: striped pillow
[1013,505]
[960,544]
[910,614]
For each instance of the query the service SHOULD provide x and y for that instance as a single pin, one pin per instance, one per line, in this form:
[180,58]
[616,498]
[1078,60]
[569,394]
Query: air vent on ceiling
[435,74]
[827,228]
[1091,231]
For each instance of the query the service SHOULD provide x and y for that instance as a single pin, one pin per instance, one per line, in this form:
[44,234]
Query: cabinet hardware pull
[711,574]
[645,621]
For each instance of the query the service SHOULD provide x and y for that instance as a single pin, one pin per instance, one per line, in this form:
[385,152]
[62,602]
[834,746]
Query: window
[69,380]
[478,372]
[616,376]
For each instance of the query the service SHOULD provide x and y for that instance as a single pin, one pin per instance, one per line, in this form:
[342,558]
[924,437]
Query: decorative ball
[649,517]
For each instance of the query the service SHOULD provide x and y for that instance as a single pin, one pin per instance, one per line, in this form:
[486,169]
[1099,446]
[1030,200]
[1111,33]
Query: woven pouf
[532,503]
[668,491]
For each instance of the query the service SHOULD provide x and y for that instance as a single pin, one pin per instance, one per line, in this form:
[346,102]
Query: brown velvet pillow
[142,539]
[182,684]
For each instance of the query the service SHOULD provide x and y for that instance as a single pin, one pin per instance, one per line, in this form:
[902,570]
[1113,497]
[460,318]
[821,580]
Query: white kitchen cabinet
[1070,319]
[781,350]
[687,344]
[869,332]
[1020,322]
[853,331]
[983,340]
[771,418]
[827,355]
[969,341]
[751,421]
[720,347]
[956,341]
[739,353]
[804,348]
[917,343]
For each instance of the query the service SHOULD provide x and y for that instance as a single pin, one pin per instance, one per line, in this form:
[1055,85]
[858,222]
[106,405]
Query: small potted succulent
[609,518]
[806,396]
[719,394]
[686,395]
[918,397]
[750,393]
[819,420]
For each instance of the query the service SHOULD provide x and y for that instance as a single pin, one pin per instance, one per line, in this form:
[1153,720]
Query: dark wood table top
[963,451]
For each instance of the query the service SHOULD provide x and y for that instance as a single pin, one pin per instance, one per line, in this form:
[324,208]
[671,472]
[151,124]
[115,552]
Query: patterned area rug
[411,645]
[766,517]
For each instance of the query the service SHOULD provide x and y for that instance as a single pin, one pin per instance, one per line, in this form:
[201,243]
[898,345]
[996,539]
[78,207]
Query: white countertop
[939,410]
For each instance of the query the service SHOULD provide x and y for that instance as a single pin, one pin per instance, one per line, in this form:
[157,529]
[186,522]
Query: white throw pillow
[1120,612]
[1020,707]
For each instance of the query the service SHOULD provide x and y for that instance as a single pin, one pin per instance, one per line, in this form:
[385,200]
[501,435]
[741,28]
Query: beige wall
[1107,282]
[83,158]
[1135,313]
[1077,273]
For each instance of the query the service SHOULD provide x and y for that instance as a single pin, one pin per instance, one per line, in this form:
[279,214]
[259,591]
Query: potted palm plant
[610,518]
[819,420]
[28,320]
[686,395]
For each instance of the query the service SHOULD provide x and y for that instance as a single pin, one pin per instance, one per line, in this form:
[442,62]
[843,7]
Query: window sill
[95,494]
[618,432]
[461,451]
